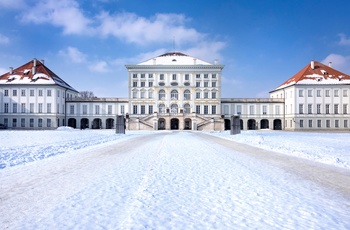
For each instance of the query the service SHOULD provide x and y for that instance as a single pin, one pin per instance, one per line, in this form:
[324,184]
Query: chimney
[215,61]
[330,64]
[11,70]
[42,61]
[194,61]
[312,65]
[34,67]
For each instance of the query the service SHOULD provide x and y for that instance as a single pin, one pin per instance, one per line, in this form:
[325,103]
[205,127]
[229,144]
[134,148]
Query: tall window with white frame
[213,109]
[301,106]
[309,108]
[150,109]
[206,109]
[134,109]
[198,109]
[97,109]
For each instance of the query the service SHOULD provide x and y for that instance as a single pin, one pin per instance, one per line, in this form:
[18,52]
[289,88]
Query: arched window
[161,94]
[174,95]
[187,108]
[173,108]
[161,108]
[187,95]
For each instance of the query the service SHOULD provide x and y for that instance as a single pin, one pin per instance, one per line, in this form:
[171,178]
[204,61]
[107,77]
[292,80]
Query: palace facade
[175,91]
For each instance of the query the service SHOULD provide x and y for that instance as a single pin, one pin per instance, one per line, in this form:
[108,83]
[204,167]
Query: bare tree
[86,94]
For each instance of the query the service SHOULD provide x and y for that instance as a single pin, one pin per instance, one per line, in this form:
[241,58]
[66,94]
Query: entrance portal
[174,123]
[161,124]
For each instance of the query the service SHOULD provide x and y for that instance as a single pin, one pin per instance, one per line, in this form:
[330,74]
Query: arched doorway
[277,124]
[110,123]
[227,124]
[97,123]
[251,124]
[264,124]
[174,124]
[188,124]
[84,123]
[72,122]
[161,124]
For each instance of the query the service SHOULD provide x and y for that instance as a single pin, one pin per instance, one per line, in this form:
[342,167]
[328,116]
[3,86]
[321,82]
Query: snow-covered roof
[174,58]
[34,73]
[316,73]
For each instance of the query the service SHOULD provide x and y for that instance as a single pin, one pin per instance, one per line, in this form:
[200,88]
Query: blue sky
[261,43]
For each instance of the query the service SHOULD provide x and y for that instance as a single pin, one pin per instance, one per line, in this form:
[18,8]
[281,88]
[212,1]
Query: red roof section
[318,71]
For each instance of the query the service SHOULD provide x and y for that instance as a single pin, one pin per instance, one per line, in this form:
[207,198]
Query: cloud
[207,51]
[73,54]
[63,13]
[99,66]
[344,41]
[339,62]
[12,4]
[4,39]
[139,30]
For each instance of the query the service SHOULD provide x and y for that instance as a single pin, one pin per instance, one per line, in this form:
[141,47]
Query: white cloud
[4,39]
[207,51]
[12,4]
[73,54]
[139,30]
[63,13]
[339,62]
[344,41]
[99,66]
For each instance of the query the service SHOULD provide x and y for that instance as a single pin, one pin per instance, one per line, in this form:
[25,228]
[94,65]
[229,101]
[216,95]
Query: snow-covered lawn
[96,179]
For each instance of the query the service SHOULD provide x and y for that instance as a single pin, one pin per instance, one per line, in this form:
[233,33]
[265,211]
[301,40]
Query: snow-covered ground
[96,179]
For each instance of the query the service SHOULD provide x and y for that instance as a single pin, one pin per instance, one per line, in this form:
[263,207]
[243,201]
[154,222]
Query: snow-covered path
[165,180]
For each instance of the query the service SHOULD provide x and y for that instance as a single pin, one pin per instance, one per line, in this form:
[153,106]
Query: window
[49,92]
[318,108]
[173,108]
[71,109]
[48,109]
[264,110]
[134,84]
[187,95]
[318,93]
[206,75]
[213,109]
[213,75]
[40,107]
[345,93]
[143,84]
[161,77]
[31,107]
[23,107]
[206,84]
[345,123]
[198,84]
[328,123]
[85,109]
[161,108]
[134,109]
[327,93]
[213,84]
[14,108]
[205,109]
[205,94]
[23,122]
[187,77]
[187,108]
[336,108]
[301,122]
[345,109]
[336,123]
[309,93]
[109,109]
[97,109]
[309,108]
[174,95]
[14,122]
[239,110]
[213,95]
[58,108]
[150,84]
[143,109]
[319,124]
[198,109]
[14,92]
[143,75]
[251,109]
[122,109]
[161,95]
[301,106]
[40,92]
[150,109]
[6,92]
[142,94]
[134,75]
[198,75]
[150,94]
[327,108]
[6,108]
[134,94]
[31,122]
[310,123]
[31,92]
[198,95]
[300,93]
[150,75]
[174,77]
[58,93]
[40,122]
[48,122]
[277,110]
[23,92]
[336,93]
